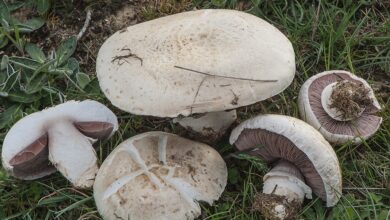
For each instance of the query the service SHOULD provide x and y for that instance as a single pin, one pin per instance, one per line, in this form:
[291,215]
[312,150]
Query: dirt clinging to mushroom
[350,98]
[364,125]
[268,205]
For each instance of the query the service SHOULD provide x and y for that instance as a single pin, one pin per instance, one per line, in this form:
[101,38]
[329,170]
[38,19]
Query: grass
[350,35]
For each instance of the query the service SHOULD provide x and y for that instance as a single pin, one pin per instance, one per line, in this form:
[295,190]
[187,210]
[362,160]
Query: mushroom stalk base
[345,100]
[283,192]
[208,127]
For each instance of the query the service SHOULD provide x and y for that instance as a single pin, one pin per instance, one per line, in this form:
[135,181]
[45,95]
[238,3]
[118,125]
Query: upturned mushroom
[340,105]
[303,162]
[197,62]
[58,138]
[158,176]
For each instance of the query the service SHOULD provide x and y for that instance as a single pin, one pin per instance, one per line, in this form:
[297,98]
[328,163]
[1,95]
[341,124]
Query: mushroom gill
[32,160]
[271,147]
[364,125]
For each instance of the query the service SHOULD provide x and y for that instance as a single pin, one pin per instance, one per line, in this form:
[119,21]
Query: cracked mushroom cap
[58,138]
[195,62]
[315,111]
[160,176]
[276,137]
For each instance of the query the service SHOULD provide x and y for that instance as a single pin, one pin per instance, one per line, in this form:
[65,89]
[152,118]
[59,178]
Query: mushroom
[161,176]
[340,105]
[203,61]
[303,162]
[63,135]
[209,127]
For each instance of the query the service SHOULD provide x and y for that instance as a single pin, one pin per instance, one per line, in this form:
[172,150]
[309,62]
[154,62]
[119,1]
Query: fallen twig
[227,77]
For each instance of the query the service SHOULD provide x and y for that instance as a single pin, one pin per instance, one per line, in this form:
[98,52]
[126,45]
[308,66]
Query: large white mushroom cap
[158,176]
[275,137]
[62,134]
[195,62]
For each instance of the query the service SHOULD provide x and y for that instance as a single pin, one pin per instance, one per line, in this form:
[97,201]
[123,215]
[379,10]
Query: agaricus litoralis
[58,138]
[158,176]
[196,62]
[302,162]
[340,105]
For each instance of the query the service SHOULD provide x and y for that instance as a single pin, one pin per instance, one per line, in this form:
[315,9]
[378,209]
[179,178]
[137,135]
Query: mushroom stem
[283,192]
[345,100]
[73,154]
[208,127]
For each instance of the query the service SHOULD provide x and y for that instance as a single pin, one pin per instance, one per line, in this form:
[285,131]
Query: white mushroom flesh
[66,126]
[72,154]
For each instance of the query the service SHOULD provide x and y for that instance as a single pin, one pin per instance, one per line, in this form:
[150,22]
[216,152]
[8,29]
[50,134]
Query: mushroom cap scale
[312,111]
[204,60]
[33,127]
[275,137]
[158,175]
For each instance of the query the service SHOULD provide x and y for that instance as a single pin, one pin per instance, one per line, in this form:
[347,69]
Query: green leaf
[25,62]
[72,206]
[35,52]
[12,79]
[65,50]
[4,11]
[93,88]
[31,25]
[384,214]
[73,65]
[21,97]
[49,90]
[82,79]
[60,71]
[52,200]
[12,6]
[3,41]
[256,3]
[35,191]
[42,6]
[4,62]
[3,76]
[233,175]
[5,25]
[36,84]
[10,115]
[218,3]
